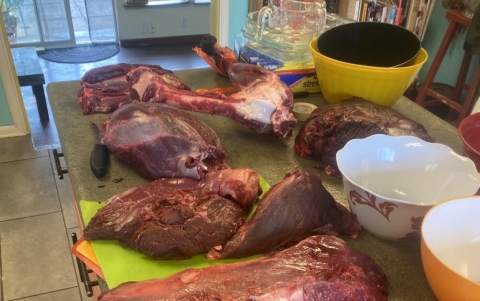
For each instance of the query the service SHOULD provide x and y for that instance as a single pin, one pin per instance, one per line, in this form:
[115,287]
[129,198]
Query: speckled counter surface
[271,157]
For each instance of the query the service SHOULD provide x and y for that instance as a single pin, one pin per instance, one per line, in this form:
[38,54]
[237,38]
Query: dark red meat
[263,102]
[330,127]
[239,185]
[159,141]
[105,89]
[165,222]
[291,210]
[321,268]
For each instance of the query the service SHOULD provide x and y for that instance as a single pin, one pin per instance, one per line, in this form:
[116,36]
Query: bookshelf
[410,14]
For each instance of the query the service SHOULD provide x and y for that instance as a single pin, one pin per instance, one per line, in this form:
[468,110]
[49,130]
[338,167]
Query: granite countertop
[269,156]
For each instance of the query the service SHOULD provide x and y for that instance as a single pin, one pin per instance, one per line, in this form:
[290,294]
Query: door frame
[20,126]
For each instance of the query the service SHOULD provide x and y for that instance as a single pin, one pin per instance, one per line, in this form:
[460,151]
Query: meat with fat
[263,103]
[159,141]
[330,127]
[292,209]
[166,222]
[321,267]
[241,185]
[104,89]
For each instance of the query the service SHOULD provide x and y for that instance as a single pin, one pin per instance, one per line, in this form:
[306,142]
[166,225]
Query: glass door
[59,23]
[39,23]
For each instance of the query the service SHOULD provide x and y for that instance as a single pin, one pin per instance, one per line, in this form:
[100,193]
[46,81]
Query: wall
[237,19]
[168,20]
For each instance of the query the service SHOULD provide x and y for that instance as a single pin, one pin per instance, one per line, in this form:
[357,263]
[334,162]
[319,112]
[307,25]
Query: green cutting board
[120,264]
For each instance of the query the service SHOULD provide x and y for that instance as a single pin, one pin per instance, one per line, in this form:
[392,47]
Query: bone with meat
[291,210]
[159,141]
[176,220]
[104,89]
[263,102]
[318,268]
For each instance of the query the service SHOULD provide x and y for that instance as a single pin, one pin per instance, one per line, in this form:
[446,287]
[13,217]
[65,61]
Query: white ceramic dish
[450,249]
[391,182]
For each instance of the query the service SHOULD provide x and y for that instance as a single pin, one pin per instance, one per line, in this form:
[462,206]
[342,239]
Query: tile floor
[37,213]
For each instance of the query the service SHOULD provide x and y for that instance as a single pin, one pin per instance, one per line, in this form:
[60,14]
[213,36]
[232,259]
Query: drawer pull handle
[82,269]
[56,159]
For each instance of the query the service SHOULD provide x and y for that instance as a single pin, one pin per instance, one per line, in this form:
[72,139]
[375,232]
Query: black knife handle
[99,160]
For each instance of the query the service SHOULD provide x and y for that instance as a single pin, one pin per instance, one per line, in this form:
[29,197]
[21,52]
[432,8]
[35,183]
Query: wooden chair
[456,105]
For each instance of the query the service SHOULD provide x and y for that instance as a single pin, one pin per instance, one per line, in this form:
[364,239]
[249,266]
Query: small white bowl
[450,249]
[392,181]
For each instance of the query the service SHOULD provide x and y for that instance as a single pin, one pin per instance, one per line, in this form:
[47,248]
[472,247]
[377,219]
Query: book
[351,8]
[357,10]
[412,15]
[384,14]
[364,11]
[429,10]
[391,14]
[343,7]
[398,16]
[421,18]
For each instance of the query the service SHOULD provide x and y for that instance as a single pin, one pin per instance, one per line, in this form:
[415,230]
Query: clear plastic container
[286,25]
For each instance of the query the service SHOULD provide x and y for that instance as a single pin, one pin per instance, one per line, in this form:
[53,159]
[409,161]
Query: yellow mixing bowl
[339,80]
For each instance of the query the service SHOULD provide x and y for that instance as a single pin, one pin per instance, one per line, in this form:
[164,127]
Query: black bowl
[369,43]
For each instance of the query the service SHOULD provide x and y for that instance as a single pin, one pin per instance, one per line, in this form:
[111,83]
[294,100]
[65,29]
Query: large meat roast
[291,210]
[159,141]
[330,127]
[322,268]
[176,220]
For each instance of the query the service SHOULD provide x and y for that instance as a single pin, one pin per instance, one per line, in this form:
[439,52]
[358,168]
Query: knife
[99,157]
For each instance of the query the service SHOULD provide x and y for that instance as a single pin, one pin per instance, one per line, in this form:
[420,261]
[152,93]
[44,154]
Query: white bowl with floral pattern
[392,181]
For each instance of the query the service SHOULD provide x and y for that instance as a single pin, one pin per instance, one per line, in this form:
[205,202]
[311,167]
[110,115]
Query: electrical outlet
[152,28]
[183,22]
[143,28]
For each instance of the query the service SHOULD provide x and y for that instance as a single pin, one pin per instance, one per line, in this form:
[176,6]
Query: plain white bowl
[450,249]
[392,181]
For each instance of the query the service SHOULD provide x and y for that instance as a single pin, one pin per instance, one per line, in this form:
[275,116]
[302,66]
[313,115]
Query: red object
[398,18]
[469,131]
[456,21]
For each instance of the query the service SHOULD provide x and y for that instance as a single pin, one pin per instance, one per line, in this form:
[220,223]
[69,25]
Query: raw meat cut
[321,268]
[263,102]
[259,90]
[291,210]
[330,127]
[104,89]
[159,141]
[241,185]
[166,222]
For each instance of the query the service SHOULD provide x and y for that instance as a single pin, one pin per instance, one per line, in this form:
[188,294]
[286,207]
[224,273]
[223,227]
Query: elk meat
[320,268]
[292,209]
[165,222]
[330,127]
[104,89]
[241,185]
[159,141]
